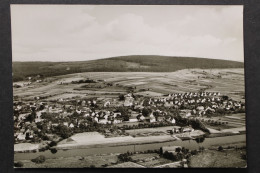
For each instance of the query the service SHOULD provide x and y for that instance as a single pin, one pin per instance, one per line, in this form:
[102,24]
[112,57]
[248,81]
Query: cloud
[84,32]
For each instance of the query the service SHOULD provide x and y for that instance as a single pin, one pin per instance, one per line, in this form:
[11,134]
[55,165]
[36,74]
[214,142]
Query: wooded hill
[134,63]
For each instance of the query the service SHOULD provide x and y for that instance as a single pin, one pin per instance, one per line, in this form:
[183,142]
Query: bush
[194,152]
[18,164]
[53,150]
[124,157]
[53,143]
[220,148]
[39,159]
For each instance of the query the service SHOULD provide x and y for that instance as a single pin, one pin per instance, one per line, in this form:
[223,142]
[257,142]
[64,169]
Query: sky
[88,32]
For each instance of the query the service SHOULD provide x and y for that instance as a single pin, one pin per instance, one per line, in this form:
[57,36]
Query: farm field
[75,162]
[152,84]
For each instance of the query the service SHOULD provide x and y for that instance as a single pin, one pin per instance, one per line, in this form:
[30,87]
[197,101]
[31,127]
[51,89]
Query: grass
[74,162]
[218,159]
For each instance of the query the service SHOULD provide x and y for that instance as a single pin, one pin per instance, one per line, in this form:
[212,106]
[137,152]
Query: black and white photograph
[128,86]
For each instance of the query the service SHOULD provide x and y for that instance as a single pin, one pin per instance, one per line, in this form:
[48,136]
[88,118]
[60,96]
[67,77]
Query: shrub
[220,148]
[53,150]
[53,143]
[194,152]
[18,164]
[39,159]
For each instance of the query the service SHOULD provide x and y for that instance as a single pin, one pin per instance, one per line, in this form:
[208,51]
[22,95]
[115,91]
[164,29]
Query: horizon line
[131,55]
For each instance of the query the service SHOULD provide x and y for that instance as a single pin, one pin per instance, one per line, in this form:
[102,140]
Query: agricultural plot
[145,83]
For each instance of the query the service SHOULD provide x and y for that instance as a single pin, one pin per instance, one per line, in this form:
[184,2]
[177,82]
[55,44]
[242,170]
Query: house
[54,124]
[66,124]
[188,114]
[71,125]
[142,118]
[173,121]
[86,115]
[116,121]
[151,118]
[133,119]
[107,104]
[160,119]
[21,137]
[102,121]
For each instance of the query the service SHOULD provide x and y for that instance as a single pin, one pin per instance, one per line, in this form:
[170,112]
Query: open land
[146,83]
[217,159]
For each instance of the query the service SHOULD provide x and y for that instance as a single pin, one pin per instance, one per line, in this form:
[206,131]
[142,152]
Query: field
[217,159]
[74,162]
[153,84]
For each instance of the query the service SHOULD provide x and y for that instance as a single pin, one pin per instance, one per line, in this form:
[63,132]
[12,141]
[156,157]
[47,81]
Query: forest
[134,63]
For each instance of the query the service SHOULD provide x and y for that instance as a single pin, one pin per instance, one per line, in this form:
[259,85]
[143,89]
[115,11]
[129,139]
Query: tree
[178,150]
[121,97]
[200,139]
[146,102]
[124,113]
[124,157]
[194,152]
[52,143]
[31,117]
[53,150]
[156,115]
[220,148]
[63,131]
[18,164]
[146,112]
[225,97]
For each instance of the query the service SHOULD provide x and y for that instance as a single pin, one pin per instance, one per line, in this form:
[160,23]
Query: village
[38,121]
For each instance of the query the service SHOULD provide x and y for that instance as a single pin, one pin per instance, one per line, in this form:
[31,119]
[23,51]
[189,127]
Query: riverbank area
[207,158]
[95,139]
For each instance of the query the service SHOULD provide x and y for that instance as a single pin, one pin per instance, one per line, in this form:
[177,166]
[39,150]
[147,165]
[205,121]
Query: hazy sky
[86,32]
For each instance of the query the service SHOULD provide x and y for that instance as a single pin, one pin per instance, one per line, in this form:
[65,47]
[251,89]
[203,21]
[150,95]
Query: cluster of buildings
[197,104]
[73,113]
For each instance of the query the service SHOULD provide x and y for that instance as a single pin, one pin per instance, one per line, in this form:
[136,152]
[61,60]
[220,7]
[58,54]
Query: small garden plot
[162,130]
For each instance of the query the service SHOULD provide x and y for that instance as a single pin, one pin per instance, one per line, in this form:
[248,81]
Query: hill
[134,63]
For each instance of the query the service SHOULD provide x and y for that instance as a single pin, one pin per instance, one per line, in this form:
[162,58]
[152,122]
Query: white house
[71,125]
[103,121]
